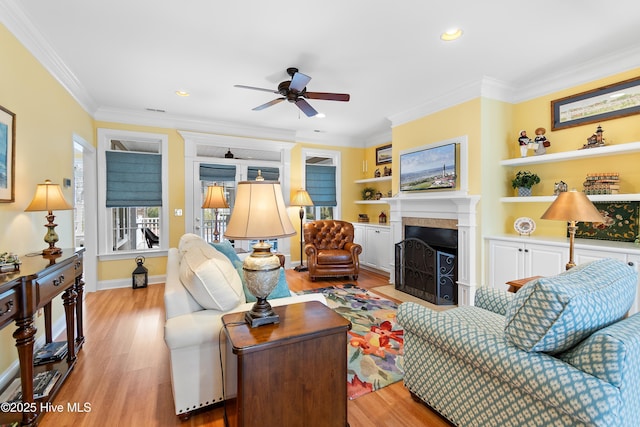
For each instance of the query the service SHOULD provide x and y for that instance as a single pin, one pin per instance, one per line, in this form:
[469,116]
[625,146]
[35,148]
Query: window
[322,184]
[132,192]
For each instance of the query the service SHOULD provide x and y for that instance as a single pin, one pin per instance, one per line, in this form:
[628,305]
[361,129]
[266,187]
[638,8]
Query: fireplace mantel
[454,205]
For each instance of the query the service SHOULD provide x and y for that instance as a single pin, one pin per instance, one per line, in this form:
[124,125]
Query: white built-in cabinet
[376,245]
[516,257]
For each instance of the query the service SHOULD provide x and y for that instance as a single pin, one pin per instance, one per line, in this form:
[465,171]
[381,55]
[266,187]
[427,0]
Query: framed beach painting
[7,156]
[383,155]
[597,105]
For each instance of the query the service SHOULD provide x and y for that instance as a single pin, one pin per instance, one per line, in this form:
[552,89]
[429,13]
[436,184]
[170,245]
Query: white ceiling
[122,57]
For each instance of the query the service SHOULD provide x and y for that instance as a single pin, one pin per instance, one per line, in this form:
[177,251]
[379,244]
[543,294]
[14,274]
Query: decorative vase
[524,192]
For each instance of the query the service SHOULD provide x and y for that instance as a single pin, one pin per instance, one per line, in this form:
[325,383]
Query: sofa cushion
[334,256]
[209,276]
[607,353]
[553,314]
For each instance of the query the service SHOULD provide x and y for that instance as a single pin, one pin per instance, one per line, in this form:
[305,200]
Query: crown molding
[464,92]
[20,26]
[585,72]
[164,120]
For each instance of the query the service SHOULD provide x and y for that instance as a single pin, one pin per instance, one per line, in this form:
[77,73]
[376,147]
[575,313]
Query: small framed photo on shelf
[383,155]
[597,105]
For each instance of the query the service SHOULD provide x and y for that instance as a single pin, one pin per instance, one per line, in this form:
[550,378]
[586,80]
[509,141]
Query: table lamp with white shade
[259,213]
[49,198]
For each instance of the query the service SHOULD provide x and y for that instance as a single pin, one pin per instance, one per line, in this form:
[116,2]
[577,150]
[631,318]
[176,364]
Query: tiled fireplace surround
[452,210]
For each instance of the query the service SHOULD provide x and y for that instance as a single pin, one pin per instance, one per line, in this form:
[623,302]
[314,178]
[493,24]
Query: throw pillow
[554,314]
[210,277]
[226,249]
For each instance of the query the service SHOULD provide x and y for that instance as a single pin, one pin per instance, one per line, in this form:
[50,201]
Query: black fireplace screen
[426,273]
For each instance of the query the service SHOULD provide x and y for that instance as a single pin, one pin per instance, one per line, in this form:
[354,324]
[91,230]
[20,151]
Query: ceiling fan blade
[256,88]
[268,104]
[306,108]
[298,82]
[327,96]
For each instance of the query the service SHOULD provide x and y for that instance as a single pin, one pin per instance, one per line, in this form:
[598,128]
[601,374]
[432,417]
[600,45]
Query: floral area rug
[375,343]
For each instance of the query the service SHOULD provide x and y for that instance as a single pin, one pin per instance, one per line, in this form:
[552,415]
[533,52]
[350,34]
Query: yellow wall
[460,120]
[537,112]
[350,156]
[46,119]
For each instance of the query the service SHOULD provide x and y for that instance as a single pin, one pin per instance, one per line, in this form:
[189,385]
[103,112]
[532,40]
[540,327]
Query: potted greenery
[523,181]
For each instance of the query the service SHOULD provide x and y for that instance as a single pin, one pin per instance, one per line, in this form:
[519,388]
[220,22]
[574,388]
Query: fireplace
[426,264]
[443,210]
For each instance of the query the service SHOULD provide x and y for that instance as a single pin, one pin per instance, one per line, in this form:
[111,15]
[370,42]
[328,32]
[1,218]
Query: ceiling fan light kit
[295,91]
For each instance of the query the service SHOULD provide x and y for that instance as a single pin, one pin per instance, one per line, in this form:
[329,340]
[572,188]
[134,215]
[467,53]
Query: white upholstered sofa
[202,285]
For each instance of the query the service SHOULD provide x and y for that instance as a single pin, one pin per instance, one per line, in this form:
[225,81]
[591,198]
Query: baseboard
[104,285]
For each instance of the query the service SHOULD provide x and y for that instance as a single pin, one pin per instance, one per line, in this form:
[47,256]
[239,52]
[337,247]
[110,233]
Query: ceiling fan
[295,91]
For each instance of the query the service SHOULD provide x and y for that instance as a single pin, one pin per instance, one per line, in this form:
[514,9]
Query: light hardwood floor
[123,375]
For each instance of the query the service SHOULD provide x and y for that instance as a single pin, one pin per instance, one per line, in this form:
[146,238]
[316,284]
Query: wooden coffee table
[515,285]
[293,373]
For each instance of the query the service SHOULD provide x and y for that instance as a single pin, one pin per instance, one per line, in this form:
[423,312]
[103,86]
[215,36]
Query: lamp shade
[215,198]
[302,198]
[573,206]
[48,198]
[259,212]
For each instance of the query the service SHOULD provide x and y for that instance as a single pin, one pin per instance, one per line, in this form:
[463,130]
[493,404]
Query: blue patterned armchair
[559,352]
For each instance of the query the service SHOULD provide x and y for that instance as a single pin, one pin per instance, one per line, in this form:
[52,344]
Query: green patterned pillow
[554,314]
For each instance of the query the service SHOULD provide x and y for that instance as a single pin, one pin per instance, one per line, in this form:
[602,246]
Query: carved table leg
[24,337]
[69,302]
[79,311]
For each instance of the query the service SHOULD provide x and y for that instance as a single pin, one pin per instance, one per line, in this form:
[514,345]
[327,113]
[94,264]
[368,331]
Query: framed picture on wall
[620,222]
[383,155]
[597,105]
[7,156]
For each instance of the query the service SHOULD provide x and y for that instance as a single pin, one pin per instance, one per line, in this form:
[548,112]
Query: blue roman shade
[321,184]
[269,174]
[217,173]
[133,179]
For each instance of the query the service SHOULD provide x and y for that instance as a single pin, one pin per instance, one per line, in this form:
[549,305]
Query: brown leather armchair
[330,249]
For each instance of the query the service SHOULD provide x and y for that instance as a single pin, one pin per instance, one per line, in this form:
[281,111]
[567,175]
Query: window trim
[335,157]
[104,223]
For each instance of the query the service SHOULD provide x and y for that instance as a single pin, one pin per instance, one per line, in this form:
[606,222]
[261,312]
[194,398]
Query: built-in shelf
[380,179]
[607,150]
[594,198]
[370,202]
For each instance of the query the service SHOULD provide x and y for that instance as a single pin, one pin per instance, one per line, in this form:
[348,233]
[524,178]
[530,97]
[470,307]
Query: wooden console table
[293,373]
[22,293]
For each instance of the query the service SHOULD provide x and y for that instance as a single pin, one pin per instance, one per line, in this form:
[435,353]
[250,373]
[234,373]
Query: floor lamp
[572,206]
[215,200]
[301,199]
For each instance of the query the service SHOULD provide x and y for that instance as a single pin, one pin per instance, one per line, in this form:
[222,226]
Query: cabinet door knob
[59,281]
[630,264]
[526,250]
[519,249]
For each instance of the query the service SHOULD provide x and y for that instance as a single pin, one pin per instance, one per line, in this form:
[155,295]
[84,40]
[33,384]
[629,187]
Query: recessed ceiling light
[182,93]
[451,34]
